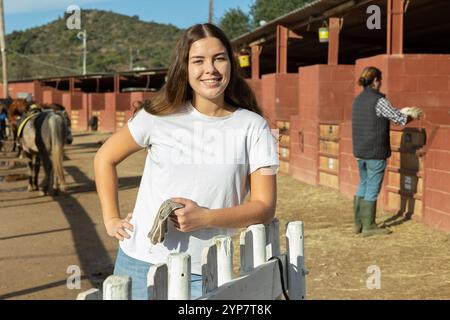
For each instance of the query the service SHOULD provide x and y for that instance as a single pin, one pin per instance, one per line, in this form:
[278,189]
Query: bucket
[323,34]
[244,61]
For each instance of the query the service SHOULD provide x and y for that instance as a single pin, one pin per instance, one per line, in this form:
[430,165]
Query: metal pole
[82,36]
[84,53]
[211,11]
[131,58]
[3,52]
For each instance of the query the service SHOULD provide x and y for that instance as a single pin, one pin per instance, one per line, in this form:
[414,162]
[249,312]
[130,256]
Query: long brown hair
[177,91]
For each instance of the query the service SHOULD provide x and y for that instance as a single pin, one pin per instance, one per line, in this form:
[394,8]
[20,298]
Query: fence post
[117,288]
[272,239]
[245,252]
[259,244]
[179,265]
[157,282]
[209,269]
[91,294]
[296,260]
[253,247]
[224,259]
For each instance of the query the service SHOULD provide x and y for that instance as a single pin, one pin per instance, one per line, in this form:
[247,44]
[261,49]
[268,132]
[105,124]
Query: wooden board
[329,131]
[120,119]
[281,124]
[284,153]
[262,284]
[284,140]
[396,138]
[329,147]
[329,163]
[329,180]
[284,166]
[74,119]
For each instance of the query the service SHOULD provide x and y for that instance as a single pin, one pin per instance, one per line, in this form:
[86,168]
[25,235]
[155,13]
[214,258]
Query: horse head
[18,107]
[69,137]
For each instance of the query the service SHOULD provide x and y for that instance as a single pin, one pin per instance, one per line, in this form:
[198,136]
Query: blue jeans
[371,173]
[137,270]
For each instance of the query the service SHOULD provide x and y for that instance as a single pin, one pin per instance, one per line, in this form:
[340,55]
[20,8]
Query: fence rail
[261,275]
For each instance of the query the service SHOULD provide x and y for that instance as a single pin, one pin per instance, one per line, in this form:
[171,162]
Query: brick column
[333,41]
[109,119]
[256,50]
[282,41]
[37,92]
[395,26]
[116,83]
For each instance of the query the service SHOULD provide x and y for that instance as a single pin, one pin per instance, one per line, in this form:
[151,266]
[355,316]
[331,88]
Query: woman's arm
[260,208]
[118,147]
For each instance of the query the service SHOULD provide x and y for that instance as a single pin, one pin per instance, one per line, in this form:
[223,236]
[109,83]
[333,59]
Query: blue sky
[24,14]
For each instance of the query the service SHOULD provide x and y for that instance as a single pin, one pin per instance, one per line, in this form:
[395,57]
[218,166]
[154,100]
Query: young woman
[208,146]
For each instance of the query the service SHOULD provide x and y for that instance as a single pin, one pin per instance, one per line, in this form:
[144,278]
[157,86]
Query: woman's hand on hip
[117,227]
[190,218]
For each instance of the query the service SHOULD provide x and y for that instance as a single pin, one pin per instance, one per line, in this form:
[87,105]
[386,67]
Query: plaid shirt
[385,109]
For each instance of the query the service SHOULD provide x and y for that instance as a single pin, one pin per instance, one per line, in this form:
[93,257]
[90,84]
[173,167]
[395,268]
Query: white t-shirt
[198,157]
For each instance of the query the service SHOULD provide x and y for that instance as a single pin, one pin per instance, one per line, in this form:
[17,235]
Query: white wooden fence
[259,278]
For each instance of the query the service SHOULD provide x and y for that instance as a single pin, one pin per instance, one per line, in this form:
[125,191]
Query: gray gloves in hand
[159,228]
[413,112]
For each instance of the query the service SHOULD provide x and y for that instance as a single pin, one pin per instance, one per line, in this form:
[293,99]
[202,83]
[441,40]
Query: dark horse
[43,137]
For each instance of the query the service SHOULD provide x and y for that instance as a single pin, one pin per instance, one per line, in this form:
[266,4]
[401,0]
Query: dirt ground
[41,237]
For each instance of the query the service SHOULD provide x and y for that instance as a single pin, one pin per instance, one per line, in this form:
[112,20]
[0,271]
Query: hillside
[41,51]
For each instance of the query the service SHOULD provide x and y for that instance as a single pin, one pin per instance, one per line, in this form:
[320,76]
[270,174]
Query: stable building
[109,97]
[306,86]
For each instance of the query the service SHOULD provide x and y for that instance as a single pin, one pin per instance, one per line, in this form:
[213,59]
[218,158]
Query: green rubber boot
[367,213]
[357,224]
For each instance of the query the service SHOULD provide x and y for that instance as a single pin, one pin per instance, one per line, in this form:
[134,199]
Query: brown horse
[16,110]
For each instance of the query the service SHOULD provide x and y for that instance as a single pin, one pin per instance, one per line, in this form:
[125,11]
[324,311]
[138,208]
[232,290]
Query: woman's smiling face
[209,68]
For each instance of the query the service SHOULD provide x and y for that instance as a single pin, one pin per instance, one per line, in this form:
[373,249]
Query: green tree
[235,23]
[267,10]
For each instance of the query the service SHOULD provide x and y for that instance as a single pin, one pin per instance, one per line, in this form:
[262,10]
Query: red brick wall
[268,94]
[47,96]
[96,101]
[255,85]
[437,180]
[19,87]
[83,113]
[349,176]
[303,150]
[123,101]
[335,92]
[109,119]
[414,80]
[324,93]
[286,95]
[304,127]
